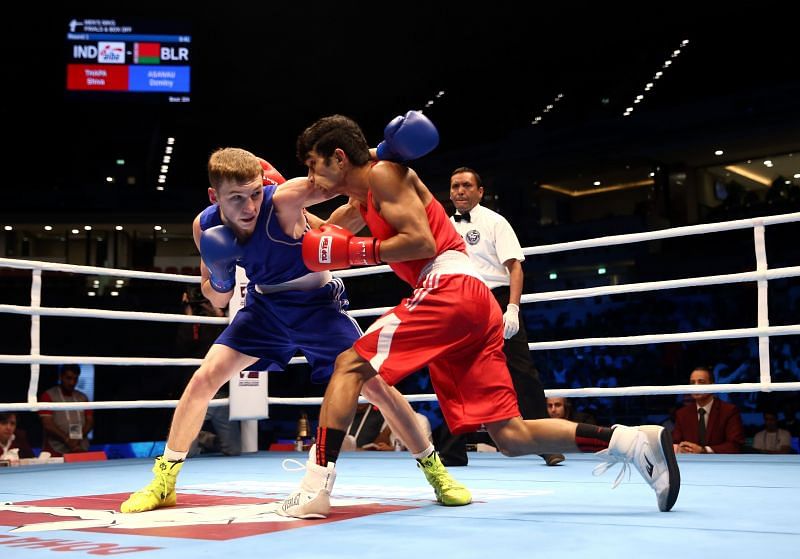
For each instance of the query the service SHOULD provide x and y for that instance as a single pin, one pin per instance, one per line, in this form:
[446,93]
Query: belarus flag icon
[146,53]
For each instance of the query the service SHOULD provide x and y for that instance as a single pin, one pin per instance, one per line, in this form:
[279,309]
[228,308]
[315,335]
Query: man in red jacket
[708,425]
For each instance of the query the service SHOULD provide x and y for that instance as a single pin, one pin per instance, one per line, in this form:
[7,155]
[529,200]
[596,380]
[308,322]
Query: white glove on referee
[511,321]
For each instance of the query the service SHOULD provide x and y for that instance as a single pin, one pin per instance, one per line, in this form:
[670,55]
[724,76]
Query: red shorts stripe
[453,325]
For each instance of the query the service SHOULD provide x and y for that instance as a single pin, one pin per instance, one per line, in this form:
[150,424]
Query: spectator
[561,408]
[707,424]
[370,431]
[772,440]
[367,425]
[790,421]
[669,421]
[66,430]
[13,441]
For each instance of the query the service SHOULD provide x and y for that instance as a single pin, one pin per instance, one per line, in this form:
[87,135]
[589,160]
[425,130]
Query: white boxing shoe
[650,449]
[313,499]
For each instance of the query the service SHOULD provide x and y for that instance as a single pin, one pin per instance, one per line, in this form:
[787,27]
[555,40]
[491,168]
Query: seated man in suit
[707,424]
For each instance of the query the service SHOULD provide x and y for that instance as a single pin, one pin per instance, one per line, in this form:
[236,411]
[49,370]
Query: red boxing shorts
[452,324]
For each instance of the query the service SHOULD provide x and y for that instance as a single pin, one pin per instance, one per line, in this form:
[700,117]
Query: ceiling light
[75,231]
[719,152]
[157,227]
[596,190]
[87,227]
[755,177]
[48,227]
[8,228]
[118,227]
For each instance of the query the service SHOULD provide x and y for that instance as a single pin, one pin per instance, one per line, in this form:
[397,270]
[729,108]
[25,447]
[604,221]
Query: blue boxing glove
[220,251]
[408,137]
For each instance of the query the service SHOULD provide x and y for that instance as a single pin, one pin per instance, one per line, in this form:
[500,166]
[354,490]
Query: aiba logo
[109,52]
[473,237]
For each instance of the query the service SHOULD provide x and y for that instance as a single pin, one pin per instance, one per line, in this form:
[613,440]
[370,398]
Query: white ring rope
[687,230]
[119,315]
[762,331]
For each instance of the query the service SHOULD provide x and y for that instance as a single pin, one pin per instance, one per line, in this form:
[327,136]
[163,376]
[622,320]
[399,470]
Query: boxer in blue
[257,221]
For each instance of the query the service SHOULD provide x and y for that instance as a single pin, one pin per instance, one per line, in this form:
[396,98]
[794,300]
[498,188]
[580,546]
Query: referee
[495,251]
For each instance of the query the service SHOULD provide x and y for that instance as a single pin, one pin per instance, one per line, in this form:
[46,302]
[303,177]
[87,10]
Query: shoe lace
[437,474]
[292,465]
[159,486]
[608,462]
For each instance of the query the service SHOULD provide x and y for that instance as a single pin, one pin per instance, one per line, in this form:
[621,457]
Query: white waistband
[313,280]
[450,262]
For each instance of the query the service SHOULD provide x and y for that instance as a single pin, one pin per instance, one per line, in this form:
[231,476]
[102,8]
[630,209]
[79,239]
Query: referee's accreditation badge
[472,237]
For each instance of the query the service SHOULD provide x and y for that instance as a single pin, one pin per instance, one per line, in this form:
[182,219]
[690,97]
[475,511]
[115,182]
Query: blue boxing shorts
[273,327]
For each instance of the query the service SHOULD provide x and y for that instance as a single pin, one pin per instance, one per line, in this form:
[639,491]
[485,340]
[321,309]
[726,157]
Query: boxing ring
[729,505]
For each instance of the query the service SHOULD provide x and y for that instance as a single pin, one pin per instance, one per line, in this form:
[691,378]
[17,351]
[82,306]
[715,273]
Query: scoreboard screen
[143,59]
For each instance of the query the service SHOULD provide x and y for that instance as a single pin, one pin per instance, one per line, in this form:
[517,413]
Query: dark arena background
[647,157]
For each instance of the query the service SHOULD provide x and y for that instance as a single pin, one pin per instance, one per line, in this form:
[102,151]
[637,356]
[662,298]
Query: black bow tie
[462,216]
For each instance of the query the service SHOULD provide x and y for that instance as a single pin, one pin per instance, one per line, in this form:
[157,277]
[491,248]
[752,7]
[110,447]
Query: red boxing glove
[271,174]
[334,248]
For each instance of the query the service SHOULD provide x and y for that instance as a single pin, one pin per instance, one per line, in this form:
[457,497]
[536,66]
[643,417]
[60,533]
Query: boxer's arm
[393,190]
[348,216]
[217,299]
[298,193]
[290,200]
[314,221]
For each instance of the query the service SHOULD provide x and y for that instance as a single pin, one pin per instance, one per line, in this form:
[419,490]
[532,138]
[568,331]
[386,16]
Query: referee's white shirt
[490,241]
